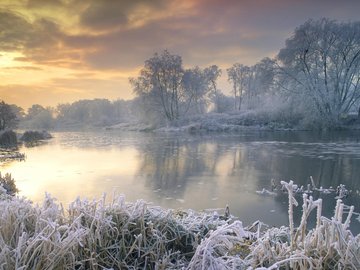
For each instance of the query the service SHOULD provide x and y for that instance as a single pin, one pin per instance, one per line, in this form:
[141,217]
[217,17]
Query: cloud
[94,37]
[44,3]
[100,15]
[107,15]
[198,41]
[122,34]
[39,41]
[15,32]
[24,68]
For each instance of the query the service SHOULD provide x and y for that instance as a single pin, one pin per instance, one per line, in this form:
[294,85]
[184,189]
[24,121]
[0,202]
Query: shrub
[34,136]
[8,138]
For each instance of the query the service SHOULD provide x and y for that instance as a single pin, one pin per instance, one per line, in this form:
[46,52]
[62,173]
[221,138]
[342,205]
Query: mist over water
[197,172]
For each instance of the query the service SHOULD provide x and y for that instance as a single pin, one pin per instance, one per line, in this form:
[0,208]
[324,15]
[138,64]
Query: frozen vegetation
[118,235]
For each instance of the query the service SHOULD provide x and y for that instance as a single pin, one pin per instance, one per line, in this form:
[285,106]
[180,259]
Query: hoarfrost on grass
[117,235]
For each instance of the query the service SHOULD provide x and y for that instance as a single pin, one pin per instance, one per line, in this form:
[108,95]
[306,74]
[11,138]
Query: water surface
[192,171]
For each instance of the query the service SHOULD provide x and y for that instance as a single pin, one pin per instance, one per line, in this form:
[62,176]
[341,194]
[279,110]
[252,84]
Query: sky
[58,51]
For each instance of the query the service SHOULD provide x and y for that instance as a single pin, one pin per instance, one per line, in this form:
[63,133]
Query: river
[206,171]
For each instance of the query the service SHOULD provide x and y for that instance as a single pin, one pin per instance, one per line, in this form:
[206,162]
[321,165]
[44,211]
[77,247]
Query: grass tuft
[121,235]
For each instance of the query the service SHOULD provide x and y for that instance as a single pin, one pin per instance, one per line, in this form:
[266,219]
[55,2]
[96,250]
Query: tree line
[316,77]
[82,113]
[317,74]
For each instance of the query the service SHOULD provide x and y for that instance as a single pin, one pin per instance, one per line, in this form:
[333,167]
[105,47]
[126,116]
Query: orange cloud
[44,43]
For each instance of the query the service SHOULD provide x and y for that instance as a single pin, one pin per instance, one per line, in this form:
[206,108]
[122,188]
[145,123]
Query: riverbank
[116,235]
[234,122]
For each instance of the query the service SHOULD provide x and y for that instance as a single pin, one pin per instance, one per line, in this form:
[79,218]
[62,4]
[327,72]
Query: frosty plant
[291,188]
[8,184]
[330,245]
[120,235]
[308,205]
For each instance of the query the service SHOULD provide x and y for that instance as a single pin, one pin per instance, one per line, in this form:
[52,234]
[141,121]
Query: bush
[8,138]
[34,136]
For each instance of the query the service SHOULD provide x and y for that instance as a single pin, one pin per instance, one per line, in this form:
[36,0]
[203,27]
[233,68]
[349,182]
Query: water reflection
[213,172]
[198,172]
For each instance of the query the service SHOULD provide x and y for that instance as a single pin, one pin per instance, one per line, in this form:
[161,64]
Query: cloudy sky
[56,51]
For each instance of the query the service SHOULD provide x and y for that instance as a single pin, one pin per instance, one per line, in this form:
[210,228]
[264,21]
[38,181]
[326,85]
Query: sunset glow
[60,51]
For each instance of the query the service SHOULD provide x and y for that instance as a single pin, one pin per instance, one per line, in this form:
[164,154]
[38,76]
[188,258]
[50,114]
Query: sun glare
[8,59]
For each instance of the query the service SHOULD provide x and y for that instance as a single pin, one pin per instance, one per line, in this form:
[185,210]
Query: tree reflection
[234,166]
[170,163]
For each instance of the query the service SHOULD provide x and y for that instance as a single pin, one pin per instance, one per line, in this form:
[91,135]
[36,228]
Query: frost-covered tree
[195,85]
[212,73]
[223,102]
[321,62]
[39,117]
[252,84]
[160,81]
[200,85]
[121,110]
[259,82]
[238,76]
[96,112]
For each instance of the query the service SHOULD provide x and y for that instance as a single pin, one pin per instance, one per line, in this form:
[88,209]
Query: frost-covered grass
[218,122]
[120,235]
[233,122]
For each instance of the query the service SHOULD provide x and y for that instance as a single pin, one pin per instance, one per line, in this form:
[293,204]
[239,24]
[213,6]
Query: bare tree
[321,61]
[212,73]
[161,81]
[238,75]
[196,87]
[259,82]
[201,87]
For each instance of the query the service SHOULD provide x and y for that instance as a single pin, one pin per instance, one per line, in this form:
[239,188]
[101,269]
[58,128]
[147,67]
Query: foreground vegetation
[120,235]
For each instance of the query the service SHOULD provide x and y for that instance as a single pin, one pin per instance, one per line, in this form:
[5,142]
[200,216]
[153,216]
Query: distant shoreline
[228,123]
